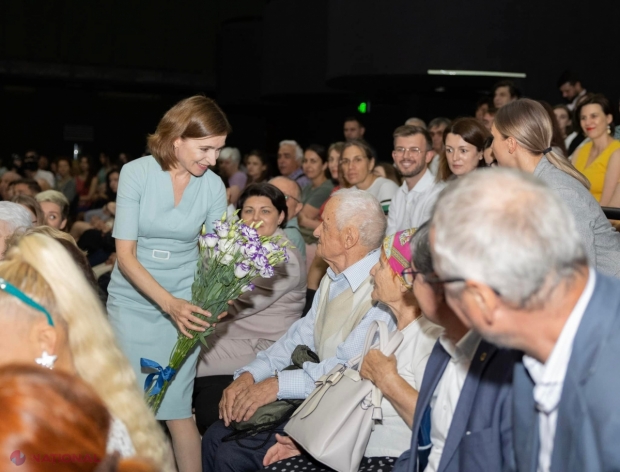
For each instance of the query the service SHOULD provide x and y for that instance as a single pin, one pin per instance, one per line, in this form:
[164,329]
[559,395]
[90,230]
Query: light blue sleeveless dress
[167,247]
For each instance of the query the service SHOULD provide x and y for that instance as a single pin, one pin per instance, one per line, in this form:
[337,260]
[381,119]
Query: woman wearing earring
[51,316]
[464,144]
[599,159]
[162,202]
[522,133]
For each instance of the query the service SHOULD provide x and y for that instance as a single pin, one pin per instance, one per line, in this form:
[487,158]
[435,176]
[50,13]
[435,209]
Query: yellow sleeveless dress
[595,172]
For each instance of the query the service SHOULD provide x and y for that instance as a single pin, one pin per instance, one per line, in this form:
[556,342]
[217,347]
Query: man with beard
[413,203]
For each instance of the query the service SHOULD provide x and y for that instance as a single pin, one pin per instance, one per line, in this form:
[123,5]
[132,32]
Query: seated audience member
[482,106]
[24,187]
[353,228]
[102,211]
[290,156]
[436,128]
[13,217]
[387,171]
[413,203]
[489,116]
[463,148]
[54,413]
[65,182]
[34,209]
[292,193]
[67,329]
[30,167]
[55,208]
[413,121]
[533,291]
[257,167]
[598,159]
[571,89]
[522,139]
[8,177]
[105,168]
[505,92]
[229,160]
[357,165]
[399,377]
[565,121]
[315,194]
[334,164]
[86,183]
[557,138]
[463,416]
[258,318]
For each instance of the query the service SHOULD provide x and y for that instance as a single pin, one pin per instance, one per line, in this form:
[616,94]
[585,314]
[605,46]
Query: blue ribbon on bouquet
[161,374]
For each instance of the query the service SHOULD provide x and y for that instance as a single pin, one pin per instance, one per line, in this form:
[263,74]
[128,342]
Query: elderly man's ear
[483,299]
[351,236]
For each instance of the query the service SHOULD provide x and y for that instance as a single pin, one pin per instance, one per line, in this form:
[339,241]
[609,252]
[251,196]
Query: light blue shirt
[300,383]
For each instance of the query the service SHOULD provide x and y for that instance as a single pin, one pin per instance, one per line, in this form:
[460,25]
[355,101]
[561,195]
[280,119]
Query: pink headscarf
[398,252]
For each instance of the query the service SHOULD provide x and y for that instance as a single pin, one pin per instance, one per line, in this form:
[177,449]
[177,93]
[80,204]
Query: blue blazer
[480,436]
[587,436]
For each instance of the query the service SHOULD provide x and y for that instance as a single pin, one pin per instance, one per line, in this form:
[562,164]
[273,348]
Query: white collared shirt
[448,391]
[411,208]
[549,377]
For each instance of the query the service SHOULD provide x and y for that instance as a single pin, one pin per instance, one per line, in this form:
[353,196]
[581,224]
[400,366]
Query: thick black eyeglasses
[409,275]
[452,280]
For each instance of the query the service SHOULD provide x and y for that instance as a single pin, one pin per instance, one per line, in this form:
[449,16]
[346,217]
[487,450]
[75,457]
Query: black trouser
[207,396]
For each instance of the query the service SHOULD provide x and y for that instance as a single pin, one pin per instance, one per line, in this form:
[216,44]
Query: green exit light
[363,107]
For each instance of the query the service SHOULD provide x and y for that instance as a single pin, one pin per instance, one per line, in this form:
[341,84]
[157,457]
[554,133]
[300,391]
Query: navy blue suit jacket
[587,434]
[480,435]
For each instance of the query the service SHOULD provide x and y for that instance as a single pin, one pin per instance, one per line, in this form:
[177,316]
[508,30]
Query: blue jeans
[245,455]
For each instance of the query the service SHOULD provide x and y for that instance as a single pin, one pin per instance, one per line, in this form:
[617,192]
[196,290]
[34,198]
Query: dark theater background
[101,74]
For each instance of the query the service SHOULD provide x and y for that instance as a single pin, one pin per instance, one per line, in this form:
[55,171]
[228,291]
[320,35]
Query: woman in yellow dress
[598,159]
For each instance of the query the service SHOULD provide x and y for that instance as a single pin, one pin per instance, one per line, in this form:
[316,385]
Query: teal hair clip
[13,290]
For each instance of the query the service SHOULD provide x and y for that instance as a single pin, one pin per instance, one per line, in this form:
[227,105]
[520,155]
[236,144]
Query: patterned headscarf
[398,252]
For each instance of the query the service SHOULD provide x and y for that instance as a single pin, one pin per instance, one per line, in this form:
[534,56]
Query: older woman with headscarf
[399,376]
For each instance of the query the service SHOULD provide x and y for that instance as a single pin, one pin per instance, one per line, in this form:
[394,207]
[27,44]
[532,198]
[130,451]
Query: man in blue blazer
[515,269]
[462,420]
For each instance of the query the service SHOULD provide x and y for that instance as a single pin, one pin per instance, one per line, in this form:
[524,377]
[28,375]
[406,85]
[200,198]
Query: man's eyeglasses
[409,275]
[452,280]
[286,197]
[414,151]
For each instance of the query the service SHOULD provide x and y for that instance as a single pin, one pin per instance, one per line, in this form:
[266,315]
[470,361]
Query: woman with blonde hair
[522,133]
[51,316]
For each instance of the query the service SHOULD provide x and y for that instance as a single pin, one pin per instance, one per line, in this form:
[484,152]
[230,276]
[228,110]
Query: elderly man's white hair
[362,210]
[230,153]
[299,152]
[14,216]
[506,229]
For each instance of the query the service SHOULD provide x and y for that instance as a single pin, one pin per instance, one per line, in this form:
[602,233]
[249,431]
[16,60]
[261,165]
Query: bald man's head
[292,191]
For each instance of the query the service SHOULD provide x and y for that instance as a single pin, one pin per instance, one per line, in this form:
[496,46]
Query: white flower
[226,259]
[247,288]
[241,270]
[226,245]
[209,240]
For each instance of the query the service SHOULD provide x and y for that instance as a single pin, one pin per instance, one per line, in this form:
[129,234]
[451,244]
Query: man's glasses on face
[286,197]
[413,151]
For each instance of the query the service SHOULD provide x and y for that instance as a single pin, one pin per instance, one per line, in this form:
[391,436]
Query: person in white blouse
[358,163]
[399,376]
[413,202]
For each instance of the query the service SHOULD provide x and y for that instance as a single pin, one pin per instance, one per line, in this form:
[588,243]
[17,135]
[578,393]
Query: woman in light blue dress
[162,202]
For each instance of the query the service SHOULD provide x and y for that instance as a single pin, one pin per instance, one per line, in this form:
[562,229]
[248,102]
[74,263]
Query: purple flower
[222,228]
[260,261]
[247,288]
[266,272]
[208,240]
[241,270]
[249,250]
[249,233]
[285,252]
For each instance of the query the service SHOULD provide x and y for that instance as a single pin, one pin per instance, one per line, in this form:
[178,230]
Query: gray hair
[361,209]
[15,215]
[299,152]
[414,121]
[421,254]
[508,230]
[439,121]
[230,153]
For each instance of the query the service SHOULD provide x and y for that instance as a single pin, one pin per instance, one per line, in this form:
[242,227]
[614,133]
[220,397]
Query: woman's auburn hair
[191,118]
[54,280]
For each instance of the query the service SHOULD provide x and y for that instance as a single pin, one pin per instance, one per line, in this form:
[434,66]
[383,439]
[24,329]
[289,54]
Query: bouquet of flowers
[229,260]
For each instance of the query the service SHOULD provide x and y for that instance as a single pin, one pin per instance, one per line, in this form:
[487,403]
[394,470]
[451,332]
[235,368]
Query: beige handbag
[334,423]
